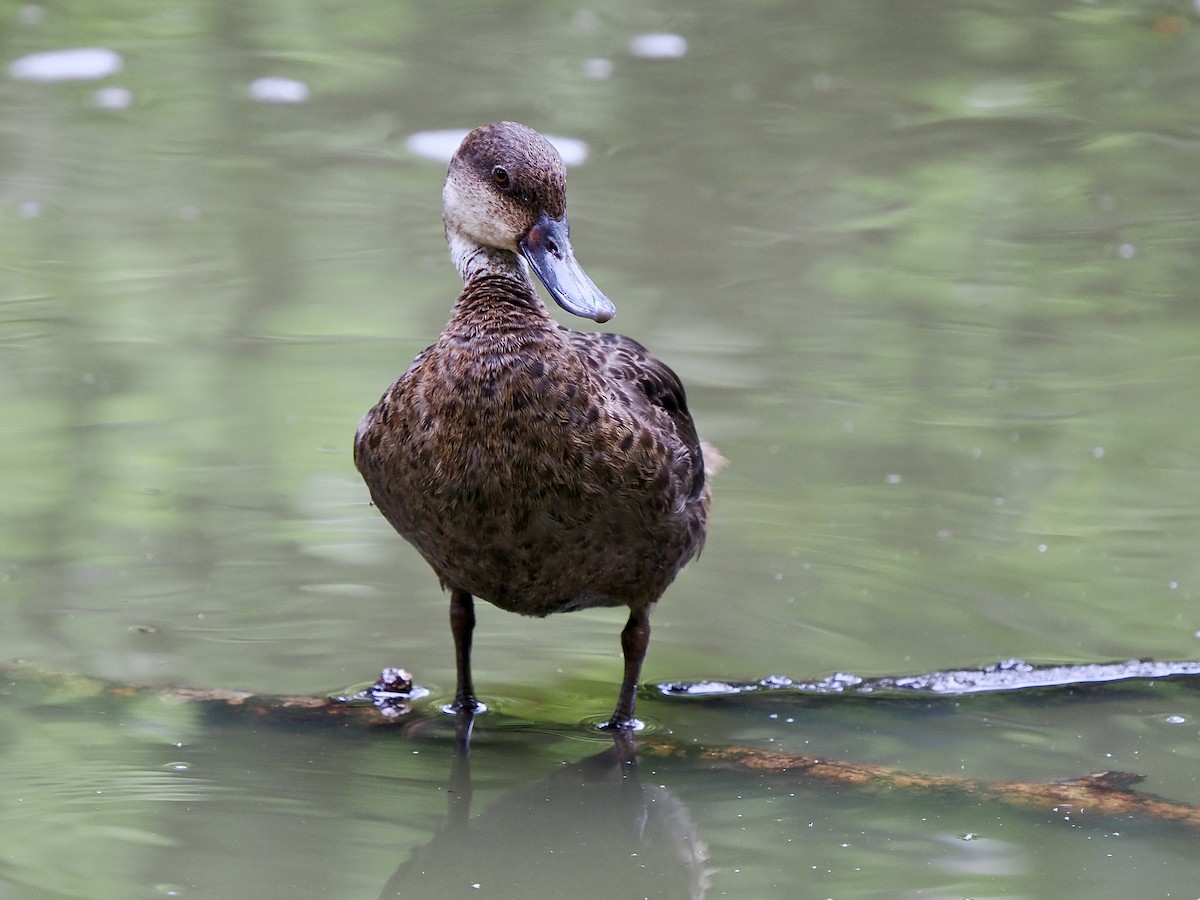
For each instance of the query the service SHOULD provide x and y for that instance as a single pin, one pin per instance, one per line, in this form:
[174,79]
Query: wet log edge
[1100,794]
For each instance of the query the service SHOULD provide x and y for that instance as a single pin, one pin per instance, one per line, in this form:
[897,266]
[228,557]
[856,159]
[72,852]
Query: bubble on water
[272,89]
[658,45]
[75,64]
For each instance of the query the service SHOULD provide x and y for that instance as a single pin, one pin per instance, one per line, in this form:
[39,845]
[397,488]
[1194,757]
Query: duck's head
[506,190]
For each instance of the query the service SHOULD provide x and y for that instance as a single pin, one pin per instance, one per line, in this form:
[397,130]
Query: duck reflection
[592,829]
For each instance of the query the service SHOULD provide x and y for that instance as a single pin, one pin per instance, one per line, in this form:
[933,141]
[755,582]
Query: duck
[540,469]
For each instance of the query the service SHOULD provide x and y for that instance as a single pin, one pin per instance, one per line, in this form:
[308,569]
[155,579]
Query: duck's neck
[491,275]
[474,261]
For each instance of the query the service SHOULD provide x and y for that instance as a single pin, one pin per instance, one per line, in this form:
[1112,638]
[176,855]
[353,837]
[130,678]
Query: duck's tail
[714,462]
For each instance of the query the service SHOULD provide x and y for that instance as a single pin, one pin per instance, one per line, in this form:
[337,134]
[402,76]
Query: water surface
[928,274]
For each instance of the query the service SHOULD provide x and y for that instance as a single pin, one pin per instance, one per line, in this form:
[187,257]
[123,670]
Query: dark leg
[462,624]
[634,641]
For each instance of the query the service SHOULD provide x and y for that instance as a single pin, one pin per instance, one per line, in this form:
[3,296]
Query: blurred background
[928,273]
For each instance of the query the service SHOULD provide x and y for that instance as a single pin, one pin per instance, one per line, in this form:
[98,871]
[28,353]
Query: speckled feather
[538,468]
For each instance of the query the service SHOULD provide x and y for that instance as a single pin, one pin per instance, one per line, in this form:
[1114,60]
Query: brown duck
[538,468]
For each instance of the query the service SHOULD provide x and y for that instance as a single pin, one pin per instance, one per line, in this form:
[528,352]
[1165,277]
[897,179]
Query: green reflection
[927,273]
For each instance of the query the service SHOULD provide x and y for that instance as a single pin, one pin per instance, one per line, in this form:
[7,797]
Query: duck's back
[538,468]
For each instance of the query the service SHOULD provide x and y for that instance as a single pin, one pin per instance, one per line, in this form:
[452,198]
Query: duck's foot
[464,711]
[623,724]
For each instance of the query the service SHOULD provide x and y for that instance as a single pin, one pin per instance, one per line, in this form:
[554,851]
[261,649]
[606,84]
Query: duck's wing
[629,367]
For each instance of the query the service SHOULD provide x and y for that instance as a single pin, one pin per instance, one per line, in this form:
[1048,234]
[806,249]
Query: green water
[929,274]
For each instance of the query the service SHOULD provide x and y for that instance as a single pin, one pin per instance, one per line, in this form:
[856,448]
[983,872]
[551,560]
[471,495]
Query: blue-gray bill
[547,249]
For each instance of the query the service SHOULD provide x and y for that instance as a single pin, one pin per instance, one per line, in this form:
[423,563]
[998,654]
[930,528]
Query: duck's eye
[500,176]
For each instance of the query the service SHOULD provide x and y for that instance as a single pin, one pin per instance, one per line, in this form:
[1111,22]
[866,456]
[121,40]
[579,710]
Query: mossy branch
[387,704]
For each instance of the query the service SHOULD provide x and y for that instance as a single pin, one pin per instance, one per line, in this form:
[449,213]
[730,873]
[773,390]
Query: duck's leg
[462,625]
[635,638]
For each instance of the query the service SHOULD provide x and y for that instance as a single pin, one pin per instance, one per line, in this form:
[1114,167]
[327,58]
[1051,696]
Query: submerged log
[1097,794]
[388,703]
[1008,676]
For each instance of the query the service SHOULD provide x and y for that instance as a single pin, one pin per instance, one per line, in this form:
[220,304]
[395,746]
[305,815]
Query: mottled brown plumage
[538,468]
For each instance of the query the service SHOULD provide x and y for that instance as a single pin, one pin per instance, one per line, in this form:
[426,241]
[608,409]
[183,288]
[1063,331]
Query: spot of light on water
[1126,251]
[439,146]
[598,67]
[29,209]
[893,478]
[272,89]
[1098,452]
[31,14]
[113,98]
[999,94]
[1042,548]
[743,92]
[75,64]
[658,45]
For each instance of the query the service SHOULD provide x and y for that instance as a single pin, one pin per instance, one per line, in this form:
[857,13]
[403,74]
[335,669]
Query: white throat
[473,260]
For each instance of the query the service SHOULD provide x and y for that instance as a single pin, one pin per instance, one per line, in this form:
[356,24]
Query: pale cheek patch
[480,216]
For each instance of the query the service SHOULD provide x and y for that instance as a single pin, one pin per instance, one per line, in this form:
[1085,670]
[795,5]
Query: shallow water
[928,275]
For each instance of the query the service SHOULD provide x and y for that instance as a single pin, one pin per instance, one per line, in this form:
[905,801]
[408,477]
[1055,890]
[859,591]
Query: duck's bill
[547,249]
